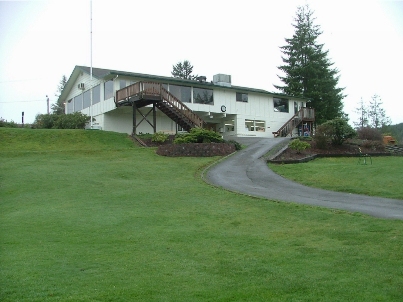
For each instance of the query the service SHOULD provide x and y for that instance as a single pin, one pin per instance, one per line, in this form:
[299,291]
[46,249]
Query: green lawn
[381,178]
[87,216]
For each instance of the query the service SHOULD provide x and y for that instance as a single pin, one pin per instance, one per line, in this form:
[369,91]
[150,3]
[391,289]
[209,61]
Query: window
[122,84]
[87,99]
[241,97]
[96,94]
[70,106]
[78,102]
[108,90]
[280,105]
[203,96]
[229,125]
[181,92]
[253,125]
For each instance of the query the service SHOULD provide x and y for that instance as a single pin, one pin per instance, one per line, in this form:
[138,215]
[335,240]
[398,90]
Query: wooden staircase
[303,115]
[142,94]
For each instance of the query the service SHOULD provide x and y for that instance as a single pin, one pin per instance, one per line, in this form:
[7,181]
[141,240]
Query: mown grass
[381,178]
[114,222]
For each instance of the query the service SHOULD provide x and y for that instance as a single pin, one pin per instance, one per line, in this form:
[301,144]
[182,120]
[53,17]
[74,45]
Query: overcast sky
[40,41]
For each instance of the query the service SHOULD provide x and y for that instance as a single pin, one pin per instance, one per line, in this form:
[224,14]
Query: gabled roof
[107,74]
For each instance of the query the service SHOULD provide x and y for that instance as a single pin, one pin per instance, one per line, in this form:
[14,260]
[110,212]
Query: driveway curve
[247,173]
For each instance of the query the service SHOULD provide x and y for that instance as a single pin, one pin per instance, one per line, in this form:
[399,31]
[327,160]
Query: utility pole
[47,102]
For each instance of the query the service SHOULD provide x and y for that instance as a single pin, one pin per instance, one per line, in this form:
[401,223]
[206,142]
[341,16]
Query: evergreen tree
[307,70]
[377,115]
[59,107]
[183,71]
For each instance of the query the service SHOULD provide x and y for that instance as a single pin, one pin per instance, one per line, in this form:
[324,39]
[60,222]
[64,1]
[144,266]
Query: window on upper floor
[183,93]
[87,99]
[241,97]
[70,106]
[78,102]
[108,90]
[281,105]
[203,96]
[122,84]
[96,94]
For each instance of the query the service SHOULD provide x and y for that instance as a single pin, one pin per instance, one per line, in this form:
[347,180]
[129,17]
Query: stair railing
[303,114]
[141,89]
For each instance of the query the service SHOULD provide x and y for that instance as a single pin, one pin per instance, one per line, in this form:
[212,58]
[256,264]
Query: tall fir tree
[183,70]
[59,107]
[308,71]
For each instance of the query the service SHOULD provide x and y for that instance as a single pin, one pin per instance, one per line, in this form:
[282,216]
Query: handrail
[302,114]
[156,89]
[127,92]
[185,110]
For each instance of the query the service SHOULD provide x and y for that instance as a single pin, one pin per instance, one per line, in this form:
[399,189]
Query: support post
[134,119]
[154,118]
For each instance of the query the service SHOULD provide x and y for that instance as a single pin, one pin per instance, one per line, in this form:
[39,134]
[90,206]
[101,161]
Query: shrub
[237,145]
[75,120]
[373,145]
[199,135]
[335,131]
[5,124]
[369,133]
[159,137]
[298,145]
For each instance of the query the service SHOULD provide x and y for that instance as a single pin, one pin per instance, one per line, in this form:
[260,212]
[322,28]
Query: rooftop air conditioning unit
[81,86]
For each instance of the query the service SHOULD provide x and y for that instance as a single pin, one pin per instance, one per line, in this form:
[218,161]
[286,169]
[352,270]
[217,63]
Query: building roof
[107,74]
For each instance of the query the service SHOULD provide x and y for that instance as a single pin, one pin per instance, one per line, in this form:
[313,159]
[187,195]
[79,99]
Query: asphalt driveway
[246,172]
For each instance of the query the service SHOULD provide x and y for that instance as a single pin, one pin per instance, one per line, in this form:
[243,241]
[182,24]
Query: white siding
[260,107]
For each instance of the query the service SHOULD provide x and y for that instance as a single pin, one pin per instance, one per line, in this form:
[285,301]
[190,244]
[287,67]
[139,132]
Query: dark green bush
[75,120]
[335,131]
[199,135]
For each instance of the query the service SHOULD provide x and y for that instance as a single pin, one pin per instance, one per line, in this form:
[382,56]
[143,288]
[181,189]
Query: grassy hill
[13,139]
[88,216]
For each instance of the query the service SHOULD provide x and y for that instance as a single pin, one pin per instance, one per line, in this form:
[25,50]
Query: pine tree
[59,107]
[183,71]
[308,71]
[377,115]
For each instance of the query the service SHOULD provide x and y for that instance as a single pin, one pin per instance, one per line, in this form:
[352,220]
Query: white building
[139,103]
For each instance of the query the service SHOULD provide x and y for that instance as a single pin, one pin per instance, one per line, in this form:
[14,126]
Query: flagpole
[91,109]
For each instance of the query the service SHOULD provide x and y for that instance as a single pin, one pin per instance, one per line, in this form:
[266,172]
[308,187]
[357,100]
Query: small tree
[362,110]
[59,107]
[183,71]
[377,115]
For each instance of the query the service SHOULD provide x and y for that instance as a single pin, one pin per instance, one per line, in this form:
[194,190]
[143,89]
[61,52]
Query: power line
[22,101]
